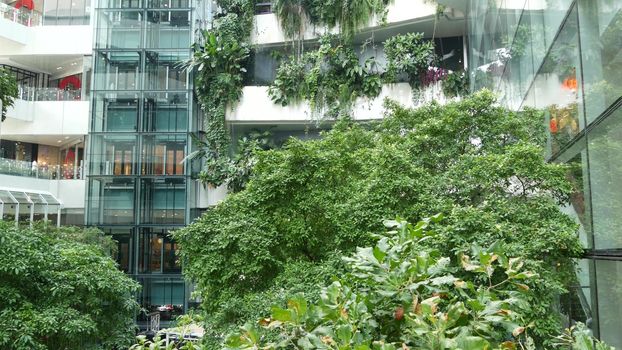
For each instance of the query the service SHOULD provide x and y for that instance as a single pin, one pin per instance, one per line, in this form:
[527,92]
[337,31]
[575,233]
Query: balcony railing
[21,16]
[48,172]
[48,94]
[263,7]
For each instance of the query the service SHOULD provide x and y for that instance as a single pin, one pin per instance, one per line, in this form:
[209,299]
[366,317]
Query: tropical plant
[218,61]
[408,54]
[401,295]
[329,78]
[456,84]
[8,91]
[348,15]
[309,201]
[61,290]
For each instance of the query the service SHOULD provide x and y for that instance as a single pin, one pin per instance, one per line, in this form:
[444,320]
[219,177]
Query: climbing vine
[219,61]
[330,78]
[222,52]
[347,15]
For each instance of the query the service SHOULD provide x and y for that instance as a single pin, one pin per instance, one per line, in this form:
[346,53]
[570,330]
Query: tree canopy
[61,290]
[8,91]
[479,164]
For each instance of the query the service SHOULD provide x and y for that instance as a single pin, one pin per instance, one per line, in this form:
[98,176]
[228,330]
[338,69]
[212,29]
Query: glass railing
[21,16]
[263,7]
[49,94]
[48,172]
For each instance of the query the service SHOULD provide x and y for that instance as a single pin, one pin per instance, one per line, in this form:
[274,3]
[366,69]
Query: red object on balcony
[553,126]
[29,4]
[72,81]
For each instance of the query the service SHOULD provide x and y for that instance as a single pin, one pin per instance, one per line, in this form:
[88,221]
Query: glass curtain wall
[564,57]
[141,119]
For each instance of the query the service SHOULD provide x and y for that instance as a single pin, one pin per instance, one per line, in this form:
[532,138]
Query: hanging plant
[408,54]
[329,78]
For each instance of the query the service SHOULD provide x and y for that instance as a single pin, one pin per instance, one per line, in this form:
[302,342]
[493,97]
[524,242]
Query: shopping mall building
[105,113]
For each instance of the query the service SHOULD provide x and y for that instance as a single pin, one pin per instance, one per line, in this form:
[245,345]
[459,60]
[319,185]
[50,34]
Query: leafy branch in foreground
[8,91]
[401,295]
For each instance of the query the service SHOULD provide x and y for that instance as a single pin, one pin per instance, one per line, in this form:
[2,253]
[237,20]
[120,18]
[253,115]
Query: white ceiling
[50,140]
[55,65]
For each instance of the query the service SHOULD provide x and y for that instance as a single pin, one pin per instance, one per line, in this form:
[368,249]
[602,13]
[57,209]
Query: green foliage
[61,290]
[578,337]
[348,15]
[330,78]
[408,54]
[456,84]
[8,91]
[218,61]
[479,163]
[401,295]
[246,158]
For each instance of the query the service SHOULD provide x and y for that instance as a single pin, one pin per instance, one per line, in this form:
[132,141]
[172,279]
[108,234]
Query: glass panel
[157,252]
[576,305]
[117,70]
[165,112]
[118,29]
[553,15]
[164,71]
[111,201]
[609,286]
[164,296]
[123,255]
[50,13]
[163,200]
[171,4]
[556,88]
[119,4]
[605,174]
[601,46]
[168,29]
[579,206]
[115,112]
[162,154]
[113,155]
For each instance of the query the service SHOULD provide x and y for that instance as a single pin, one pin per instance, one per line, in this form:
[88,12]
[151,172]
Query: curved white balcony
[256,107]
[268,31]
[32,118]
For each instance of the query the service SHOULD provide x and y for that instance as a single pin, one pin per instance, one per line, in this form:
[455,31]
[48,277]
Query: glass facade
[138,187]
[564,57]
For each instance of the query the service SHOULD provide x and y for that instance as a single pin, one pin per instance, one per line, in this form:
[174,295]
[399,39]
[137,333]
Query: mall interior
[105,115]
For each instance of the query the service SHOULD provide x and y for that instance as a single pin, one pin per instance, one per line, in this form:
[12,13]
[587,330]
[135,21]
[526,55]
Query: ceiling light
[59,141]
[59,68]
[66,137]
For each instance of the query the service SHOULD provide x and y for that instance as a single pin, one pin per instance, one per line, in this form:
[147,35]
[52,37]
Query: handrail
[21,16]
[48,172]
[48,94]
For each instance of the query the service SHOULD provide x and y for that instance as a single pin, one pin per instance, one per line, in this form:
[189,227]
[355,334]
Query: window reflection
[164,71]
[605,150]
[601,46]
[164,296]
[163,200]
[113,155]
[166,111]
[163,154]
[158,252]
[111,201]
[117,70]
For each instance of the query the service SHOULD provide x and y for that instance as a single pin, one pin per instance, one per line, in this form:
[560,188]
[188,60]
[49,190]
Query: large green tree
[478,163]
[8,91]
[60,289]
